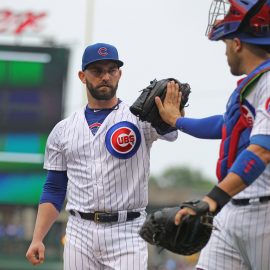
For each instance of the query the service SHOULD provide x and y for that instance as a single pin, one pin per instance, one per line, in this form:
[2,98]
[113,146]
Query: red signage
[18,22]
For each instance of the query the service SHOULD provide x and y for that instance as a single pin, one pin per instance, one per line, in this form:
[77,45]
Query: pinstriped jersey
[257,112]
[108,171]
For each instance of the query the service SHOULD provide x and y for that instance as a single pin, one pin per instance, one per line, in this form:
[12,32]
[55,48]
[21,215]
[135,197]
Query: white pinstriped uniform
[243,239]
[100,181]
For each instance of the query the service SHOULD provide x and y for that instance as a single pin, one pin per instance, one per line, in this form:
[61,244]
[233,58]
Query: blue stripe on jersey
[54,189]
[261,140]
[205,128]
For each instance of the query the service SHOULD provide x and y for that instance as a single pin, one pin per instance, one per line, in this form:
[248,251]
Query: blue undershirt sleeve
[54,189]
[205,128]
[261,140]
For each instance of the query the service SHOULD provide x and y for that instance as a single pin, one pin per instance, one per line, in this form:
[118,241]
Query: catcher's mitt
[189,237]
[145,107]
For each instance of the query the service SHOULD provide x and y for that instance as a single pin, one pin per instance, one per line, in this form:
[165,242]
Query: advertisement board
[32,87]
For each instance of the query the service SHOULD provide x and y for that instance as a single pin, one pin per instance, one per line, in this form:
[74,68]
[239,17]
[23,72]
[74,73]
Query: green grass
[23,264]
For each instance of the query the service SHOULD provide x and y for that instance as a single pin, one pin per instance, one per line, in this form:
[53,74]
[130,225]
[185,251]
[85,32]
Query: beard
[235,68]
[100,94]
[235,64]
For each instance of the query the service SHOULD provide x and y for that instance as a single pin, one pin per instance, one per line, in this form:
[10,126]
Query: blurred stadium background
[39,60]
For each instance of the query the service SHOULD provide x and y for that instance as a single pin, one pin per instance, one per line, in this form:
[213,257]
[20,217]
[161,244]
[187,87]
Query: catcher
[242,195]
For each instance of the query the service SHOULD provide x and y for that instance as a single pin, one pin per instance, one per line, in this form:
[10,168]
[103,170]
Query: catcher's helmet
[249,20]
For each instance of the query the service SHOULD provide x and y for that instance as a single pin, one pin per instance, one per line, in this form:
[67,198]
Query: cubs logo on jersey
[267,105]
[123,140]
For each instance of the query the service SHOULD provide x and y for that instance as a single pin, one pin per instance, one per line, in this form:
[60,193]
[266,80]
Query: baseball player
[241,199]
[99,157]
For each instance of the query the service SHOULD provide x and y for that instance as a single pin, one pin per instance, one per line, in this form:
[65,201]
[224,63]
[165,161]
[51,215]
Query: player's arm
[248,166]
[205,128]
[51,202]
[47,214]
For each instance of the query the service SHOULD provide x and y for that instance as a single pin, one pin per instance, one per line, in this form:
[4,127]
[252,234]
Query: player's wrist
[219,196]
[38,238]
[212,204]
[173,120]
[36,242]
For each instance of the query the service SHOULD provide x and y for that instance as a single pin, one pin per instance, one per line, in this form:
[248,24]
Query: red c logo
[123,140]
[102,51]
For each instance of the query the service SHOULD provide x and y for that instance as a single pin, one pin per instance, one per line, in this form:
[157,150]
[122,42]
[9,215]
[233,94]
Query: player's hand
[188,211]
[35,253]
[169,110]
[182,213]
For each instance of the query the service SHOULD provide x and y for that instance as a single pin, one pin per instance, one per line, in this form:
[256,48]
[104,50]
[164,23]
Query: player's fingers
[176,89]
[172,92]
[159,103]
[182,213]
[32,257]
[168,96]
[175,94]
[178,217]
[41,256]
[35,254]
[179,97]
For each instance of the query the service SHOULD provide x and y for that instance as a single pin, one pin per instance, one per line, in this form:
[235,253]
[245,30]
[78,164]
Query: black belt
[102,217]
[250,201]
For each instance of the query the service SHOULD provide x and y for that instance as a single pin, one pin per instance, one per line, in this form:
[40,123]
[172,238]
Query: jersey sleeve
[204,128]
[171,136]
[54,156]
[261,102]
[152,135]
[54,189]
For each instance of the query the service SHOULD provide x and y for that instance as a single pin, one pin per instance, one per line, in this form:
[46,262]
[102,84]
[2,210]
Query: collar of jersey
[115,107]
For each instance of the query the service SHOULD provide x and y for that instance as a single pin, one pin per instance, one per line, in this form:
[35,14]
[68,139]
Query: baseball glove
[145,107]
[189,237]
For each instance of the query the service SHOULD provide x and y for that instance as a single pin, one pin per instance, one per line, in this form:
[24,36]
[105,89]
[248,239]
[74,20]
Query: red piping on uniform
[236,132]
[221,153]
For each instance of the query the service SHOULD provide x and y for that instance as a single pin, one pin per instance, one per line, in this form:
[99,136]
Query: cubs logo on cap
[102,51]
[123,140]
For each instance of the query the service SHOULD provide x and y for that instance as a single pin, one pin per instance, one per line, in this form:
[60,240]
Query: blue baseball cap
[99,52]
